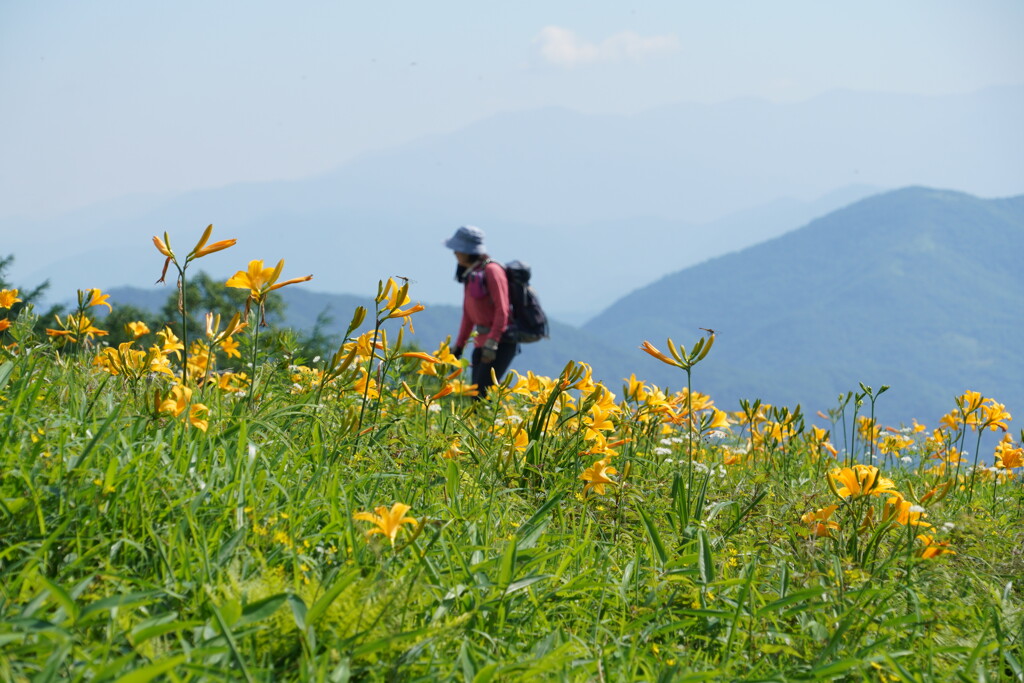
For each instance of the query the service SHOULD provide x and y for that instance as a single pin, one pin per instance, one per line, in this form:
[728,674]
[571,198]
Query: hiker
[485,308]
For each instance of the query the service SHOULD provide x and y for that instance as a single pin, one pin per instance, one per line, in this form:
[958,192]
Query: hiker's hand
[457,352]
[489,352]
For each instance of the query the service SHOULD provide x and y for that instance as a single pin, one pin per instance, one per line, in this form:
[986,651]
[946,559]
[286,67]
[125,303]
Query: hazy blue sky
[107,98]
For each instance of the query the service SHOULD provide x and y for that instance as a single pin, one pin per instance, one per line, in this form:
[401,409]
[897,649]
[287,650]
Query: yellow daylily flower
[176,400]
[904,512]
[75,328]
[445,355]
[387,522]
[170,343]
[820,521]
[994,415]
[969,402]
[162,247]
[131,362]
[859,480]
[933,548]
[137,328]
[230,348]
[420,355]
[597,421]
[8,297]
[203,249]
[635,389]
[175,403]
[598,476]
[260,281]
[233,382]
[650,349]
[453,450]
[1009,456]
[197,416]
[98,298]
[893,444]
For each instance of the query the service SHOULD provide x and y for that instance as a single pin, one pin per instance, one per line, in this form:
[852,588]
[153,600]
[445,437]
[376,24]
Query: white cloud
[563,47]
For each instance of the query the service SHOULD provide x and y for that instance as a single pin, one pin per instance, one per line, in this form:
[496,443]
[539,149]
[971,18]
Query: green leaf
[534,523]
[508,563]
[834,669]
[5,373]
[325,600]
[524,583]
[62,598]
[227,549]
[151,671]
[299,611]
[652,533]
[93,609]
[154,628]
[705,561]
[792,598]
[11,505]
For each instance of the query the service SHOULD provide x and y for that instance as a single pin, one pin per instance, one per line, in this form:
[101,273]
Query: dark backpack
[528,322]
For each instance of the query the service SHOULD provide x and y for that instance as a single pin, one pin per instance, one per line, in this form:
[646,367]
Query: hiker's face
[463,259]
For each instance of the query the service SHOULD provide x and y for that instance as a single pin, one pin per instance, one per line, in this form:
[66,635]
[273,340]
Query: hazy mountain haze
[599,205]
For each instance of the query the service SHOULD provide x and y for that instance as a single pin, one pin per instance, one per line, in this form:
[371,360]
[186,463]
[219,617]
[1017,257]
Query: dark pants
[482,371]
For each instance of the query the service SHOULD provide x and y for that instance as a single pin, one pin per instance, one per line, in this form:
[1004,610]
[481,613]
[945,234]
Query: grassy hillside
[163,517]
[919,289]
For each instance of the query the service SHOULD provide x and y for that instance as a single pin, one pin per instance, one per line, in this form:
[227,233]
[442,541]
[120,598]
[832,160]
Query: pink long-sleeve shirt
[485,308]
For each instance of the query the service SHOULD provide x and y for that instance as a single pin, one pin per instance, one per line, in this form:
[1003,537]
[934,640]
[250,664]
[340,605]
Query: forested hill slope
[919,289]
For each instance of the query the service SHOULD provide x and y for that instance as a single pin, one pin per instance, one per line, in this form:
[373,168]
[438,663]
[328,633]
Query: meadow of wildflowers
[179,508]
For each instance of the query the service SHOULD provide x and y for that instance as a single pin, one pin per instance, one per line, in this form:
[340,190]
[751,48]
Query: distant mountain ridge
[919,289]
[599,205]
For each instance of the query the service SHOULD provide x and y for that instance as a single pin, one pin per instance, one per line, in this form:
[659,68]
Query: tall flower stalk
[260,282]
[201,249]
[681,359]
